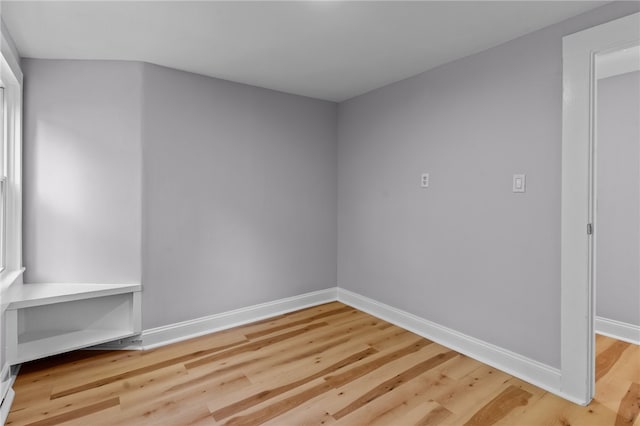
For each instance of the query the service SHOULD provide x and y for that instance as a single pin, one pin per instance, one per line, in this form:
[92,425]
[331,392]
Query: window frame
[3,180]
[3,224]
[11,132]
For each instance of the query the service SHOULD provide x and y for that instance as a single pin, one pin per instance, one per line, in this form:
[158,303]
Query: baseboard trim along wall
[172,333]
[618,330]
[534,372]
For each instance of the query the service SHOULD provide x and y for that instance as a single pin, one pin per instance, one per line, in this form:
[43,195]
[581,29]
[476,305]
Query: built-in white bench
[48,319]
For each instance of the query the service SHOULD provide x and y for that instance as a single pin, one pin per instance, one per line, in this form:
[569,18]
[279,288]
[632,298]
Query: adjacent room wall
[240,192]
[618,220]
[82,174]
[467,252]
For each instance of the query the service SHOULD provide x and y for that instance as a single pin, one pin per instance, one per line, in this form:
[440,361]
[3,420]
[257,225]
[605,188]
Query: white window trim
[11,79]
[3,227]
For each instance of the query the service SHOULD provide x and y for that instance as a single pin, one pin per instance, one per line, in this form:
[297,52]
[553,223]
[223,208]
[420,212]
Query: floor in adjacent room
[330,364]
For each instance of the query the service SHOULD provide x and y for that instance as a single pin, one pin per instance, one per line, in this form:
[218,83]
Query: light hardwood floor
[330,364]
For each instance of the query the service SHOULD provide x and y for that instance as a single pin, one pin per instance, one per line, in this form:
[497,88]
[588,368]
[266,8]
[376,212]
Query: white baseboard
[172,333]
[534,372]
[618,330]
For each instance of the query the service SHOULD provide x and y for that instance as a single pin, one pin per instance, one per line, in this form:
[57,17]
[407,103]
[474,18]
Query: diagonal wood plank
[340,379]
[253,346]
[137,371]
[629,406]
[77,413]
[607,359]
[255,399]
[399,380]
[310,363]
[282,406]
[499,406]
[322,315]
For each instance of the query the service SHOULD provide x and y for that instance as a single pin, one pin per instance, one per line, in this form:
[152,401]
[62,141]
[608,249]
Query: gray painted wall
[618,221]
[82,177]
[240,192]
[239,189]
[240,186]
[466,253]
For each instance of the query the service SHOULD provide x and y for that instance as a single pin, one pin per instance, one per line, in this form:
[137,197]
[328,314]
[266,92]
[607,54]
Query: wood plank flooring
[326,365]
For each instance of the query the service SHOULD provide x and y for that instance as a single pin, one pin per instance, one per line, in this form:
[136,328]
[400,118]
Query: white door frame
[578,199]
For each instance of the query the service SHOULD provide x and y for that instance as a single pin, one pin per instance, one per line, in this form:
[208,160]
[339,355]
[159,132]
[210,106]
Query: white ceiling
[323,49]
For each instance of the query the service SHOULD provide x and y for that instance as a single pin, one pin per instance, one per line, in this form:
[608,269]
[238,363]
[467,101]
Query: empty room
[320,213]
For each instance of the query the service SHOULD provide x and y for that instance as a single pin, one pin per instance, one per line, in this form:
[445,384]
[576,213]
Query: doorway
[578,216]
[617,194]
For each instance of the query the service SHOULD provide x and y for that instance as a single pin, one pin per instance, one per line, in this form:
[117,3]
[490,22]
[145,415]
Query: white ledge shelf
[34,343]
[29,295]
[47,319]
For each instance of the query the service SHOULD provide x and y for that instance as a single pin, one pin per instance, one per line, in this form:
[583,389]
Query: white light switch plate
[519,183]
[424,180]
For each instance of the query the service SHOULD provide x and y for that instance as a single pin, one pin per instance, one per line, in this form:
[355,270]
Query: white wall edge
[534,372]
[626,332]
[172,333]
[5,408]
[5,380]
[7,376]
